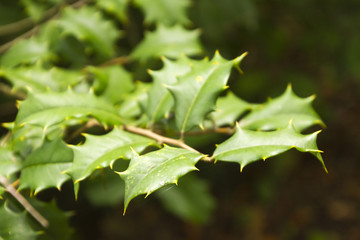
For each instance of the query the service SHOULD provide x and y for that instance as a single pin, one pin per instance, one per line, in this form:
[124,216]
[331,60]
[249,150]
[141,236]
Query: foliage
[83,111]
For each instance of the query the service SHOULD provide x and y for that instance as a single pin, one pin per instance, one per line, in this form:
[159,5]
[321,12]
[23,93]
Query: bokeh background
[315,46]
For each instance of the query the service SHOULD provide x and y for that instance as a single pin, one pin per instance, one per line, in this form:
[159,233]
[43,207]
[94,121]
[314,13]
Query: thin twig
[162,139]
[91,123]
[9,188]
[116,61]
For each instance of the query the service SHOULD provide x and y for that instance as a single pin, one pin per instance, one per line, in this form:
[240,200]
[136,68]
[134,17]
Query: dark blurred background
[315,46]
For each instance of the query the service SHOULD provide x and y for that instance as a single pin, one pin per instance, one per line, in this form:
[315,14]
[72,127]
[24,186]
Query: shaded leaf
[104,189]
[88,24]
[44,166]
[13,226]
[149,172]
[191,200]
[168,41]
[247,146]
[112,83]
[229,108]
[102,151]
[168,12]
[195,93]
[46,109]
[8,162]
[39,79]
[26,51]
[278,112]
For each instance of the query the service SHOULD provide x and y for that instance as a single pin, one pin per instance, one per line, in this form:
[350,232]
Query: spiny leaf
[168,12]
[277,113]
[88,24]
[247,146]
[8,162]
[14,226]
[168,41]
[46,109]
[160,100]
[26,51]
[43,167]
[39,79]
[115,7]
[229,108]
[112,82]
[149,172]
[102,151]
[195,93]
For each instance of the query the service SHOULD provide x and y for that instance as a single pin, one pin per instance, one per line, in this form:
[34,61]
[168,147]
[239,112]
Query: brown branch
[9,188]
[162,139]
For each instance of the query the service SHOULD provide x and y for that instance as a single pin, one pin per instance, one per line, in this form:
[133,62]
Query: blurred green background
[315,46]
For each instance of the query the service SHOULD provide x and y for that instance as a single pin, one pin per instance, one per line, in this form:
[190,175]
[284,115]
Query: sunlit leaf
[276,113]
[43,167]
[115,7]
[8,163]
[102,151]
[149,172]
[247,146]
[195,93]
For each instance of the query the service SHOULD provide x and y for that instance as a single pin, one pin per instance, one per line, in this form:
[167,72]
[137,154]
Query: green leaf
[2,191]
[229,108]
[43,167]
[89,25]
[46,109]
[149,172]
[195,93]
[131,107]
[115,7]
[168,41]
[102,151]
[8,162]
[191,200]
[168,12]
[278,112]
[14,226]
[247,146]
[39,79]
[112,83]
[26,51]
[160,101]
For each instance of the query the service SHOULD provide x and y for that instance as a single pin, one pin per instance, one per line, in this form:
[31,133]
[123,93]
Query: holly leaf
[8,162]
[168,12]
[49,108]
[191,200]
[26,51]
[195,93]
[168,41]
[89,25]
[247,146]
[112,83]
[43,167]
[38,79]
[151,171]
[115,7]
[276,113]
[229,108]
[14,226]
[102,151]
[160,100]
